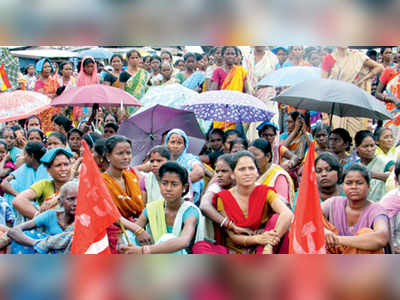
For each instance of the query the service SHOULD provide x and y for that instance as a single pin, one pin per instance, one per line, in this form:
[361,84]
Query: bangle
[229,224]
[146,250]
[139,231]
[223,222]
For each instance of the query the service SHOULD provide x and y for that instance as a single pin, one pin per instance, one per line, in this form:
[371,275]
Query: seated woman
[280,154]
[150,182]
[385,142]
[380,169]
[255,207]
[356,225]
[177,142]
[54,222]
[329,176]
[175,224]
[321,134]
[124,189]
[340,142]
[272,175]
[237,145]
[214,147]
[43,195]
[391,203]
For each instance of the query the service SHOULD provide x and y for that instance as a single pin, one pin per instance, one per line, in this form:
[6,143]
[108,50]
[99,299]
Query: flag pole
[124,232]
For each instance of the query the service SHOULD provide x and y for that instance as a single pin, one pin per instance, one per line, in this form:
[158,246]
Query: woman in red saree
[247,205]
[46,84]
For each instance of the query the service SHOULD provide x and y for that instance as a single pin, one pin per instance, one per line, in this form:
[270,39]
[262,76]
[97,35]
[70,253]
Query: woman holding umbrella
[177,142]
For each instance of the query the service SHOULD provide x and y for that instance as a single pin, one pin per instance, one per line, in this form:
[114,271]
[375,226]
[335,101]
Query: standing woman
[124,188]
[156,76]
[190,67]
[177,142]
[66,79]
[356,225]
[379,168]
[33,122]
[255,207]
[112,78]
[321,134]
[46,84]
[272,175]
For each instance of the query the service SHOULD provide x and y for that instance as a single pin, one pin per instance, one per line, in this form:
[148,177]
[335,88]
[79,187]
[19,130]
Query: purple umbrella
[229,106]
[145,129]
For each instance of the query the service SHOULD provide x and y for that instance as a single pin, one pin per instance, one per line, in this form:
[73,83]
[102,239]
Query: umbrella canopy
[96,53]
[171,95]
[229,106]
[335,97]
[11,66]
[95,94]
[290,76]
[19,105]
[145,129]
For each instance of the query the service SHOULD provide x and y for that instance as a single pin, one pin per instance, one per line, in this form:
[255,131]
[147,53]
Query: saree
[152,188]
[270,178]
[259,212]
[137,86]
[129,202]
[195,80]
[298,145]
[377,187]
[335,220]
[234,81]
[391,203]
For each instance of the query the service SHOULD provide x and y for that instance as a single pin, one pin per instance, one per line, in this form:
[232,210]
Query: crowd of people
[239,193]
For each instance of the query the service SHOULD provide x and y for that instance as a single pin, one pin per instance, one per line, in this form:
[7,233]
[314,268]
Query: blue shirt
[49,221]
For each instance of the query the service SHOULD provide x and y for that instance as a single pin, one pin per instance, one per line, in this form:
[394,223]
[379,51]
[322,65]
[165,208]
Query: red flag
[306,234]
[5,82]
[95,210]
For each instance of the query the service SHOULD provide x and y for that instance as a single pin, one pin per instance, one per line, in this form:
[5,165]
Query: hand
[331,239]
[268,237]
[21,141]
[144,238]
[241,230]
[47,205]
[298,125]
[129,249]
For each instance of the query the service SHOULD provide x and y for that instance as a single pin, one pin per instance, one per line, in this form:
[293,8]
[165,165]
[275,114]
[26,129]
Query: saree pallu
[137,86]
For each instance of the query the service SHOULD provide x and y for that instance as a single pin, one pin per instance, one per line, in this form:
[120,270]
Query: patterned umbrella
[19,105]
[11,66]
[171,95]
[228,106]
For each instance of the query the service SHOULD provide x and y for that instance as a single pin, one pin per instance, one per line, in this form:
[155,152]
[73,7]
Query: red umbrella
[19,105]
[89,95]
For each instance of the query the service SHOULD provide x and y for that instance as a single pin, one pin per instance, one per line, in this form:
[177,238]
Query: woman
[110,118]
[380,169]
[179,65]
[9,136]
[272,175]
[321,134]
[112,78]
[46,84]
[30,77]
[166,56]
[110,129]
[296,57]
[88,72]
[56,140]
[391,203]
[296,139]
[124,189]
[175,224]
[329,176]
[340,143]
[74,141]
[190,67]
[386,149]
[237,145]
[167,71]
[54,222]
[62,124]
[150,183]
[214,147]
[66,79]
[29,173]
[32,122]
[155,77]
[252,206]
[43,195]
[35,135]
[281,156]
[6,164]
[177,142]
[146,64]
[99,155]
[356,225]
[355,67]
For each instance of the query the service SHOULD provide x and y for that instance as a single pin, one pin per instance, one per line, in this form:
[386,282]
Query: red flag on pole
[95,210]
[4,81]
[306,234]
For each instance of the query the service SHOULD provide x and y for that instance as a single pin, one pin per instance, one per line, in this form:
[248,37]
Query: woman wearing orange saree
[48,85]
[124,189]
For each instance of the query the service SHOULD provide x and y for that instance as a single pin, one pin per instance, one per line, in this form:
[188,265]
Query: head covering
[276,49]
[266,123]
[83,78]
[186,160]
[51,154]
[40,63]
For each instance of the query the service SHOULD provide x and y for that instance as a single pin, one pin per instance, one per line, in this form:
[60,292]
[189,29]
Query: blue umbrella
[96,53]
[290,76]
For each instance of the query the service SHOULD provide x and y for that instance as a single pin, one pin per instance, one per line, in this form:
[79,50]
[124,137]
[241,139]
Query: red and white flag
[95,210]
[306,235]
